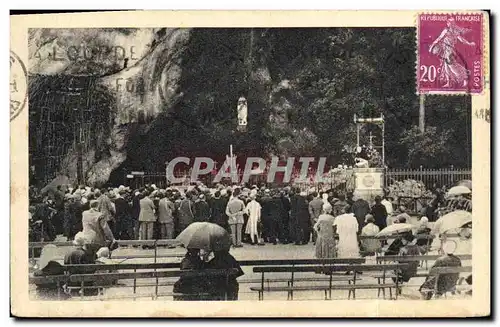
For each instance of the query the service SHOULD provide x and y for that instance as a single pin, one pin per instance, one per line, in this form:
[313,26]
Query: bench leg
[326,295]
[390,293]
[349,293]
[378,291]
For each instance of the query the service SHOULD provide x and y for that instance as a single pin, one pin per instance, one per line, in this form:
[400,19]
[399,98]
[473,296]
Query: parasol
[458,190]
[466,182]
[452,220]
[207,236]
[395,229]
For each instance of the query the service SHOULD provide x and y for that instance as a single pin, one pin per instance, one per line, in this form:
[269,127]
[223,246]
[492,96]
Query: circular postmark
[368,181]
[18,85]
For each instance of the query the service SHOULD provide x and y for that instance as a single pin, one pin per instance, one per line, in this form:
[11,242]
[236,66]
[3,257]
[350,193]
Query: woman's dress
[325,242]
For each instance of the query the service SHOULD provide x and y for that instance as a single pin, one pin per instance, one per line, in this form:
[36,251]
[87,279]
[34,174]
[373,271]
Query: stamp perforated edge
[486,78]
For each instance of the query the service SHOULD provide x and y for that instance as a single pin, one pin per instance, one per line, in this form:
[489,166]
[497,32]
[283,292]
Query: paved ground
[269,251]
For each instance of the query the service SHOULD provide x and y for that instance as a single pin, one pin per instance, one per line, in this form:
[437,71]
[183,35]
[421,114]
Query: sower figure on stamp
[452,70]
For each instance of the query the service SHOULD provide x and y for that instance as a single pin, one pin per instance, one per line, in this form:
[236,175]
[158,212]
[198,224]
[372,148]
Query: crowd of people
[253,215]
[256,215]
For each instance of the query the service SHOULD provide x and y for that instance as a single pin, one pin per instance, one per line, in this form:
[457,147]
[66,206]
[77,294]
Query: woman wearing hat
[442,283]
[325,242]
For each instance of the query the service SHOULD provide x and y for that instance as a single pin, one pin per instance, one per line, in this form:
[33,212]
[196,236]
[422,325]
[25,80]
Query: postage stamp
[450,53]
[249,158]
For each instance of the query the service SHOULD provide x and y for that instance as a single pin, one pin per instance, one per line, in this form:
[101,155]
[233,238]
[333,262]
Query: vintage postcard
[262,164]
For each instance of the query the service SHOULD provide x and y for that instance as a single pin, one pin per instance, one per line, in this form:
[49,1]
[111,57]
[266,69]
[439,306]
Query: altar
[369,182]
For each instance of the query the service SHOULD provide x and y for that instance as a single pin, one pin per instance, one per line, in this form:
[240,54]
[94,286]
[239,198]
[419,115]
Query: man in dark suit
[124,222]
[360,208]
[218,211]
[201,209]
[185,212]
[379,212]
[303,219]
[267,212]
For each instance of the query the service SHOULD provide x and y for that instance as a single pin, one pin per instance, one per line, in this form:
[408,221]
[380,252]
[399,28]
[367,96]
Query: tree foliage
[330,74]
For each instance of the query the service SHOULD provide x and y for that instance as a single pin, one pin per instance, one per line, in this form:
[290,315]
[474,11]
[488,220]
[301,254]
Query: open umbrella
[466,182]
[207,236]
[395,229]
[452,220]
[458,190]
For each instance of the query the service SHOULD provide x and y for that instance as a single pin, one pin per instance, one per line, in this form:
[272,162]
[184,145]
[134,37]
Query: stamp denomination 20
[450,56]
[18,85]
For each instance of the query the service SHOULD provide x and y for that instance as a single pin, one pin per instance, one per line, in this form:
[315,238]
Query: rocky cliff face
[132,95]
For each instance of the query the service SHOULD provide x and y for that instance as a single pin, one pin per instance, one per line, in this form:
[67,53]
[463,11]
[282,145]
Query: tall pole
[421,115]
[231,158]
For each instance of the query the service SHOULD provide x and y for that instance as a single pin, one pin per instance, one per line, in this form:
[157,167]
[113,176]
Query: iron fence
[430,177]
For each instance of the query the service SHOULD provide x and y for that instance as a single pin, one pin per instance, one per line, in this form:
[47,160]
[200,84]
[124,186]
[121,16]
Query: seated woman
[410,248]
[220,286]
[423,230]
[190,288]
[398,243]
[440,284]
[370,246]
[83,254]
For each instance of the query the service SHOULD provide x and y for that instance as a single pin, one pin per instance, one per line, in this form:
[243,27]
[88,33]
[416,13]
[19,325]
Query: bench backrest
[450,270]
[155,274]
[418,257]
[174,265]
[292,262]
[333,268]
[132,275]
[48,279]
[120,242]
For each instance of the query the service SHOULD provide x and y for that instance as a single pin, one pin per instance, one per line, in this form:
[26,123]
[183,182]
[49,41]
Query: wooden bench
[403,259]
[121,267]
[330,271]
[101,281]
[99,278]
[412,258]
[427,257]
